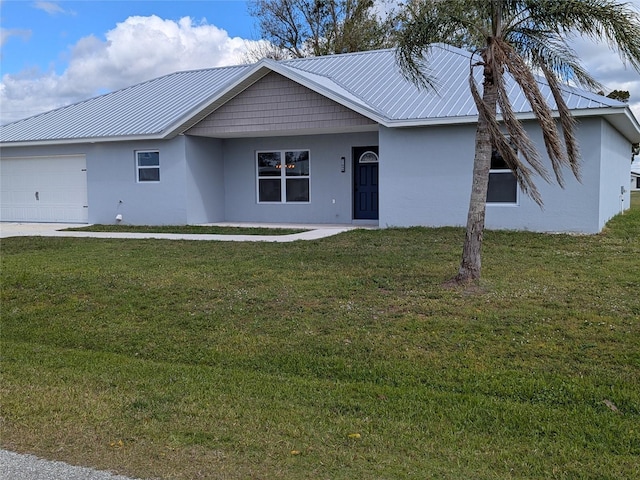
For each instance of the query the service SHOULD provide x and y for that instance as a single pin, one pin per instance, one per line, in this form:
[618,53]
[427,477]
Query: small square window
[148,166]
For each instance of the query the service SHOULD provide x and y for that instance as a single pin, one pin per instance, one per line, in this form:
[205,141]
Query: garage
[44,189]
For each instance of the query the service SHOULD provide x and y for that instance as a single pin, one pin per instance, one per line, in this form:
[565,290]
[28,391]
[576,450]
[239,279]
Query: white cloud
[607,67]
[6,33]
[138,49]
[52,8]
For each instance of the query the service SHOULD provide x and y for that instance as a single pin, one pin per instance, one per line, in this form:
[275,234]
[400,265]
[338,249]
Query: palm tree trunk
[470,266]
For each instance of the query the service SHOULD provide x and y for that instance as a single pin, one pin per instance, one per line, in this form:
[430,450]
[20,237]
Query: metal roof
[142,110]
[368,82]
[375,78]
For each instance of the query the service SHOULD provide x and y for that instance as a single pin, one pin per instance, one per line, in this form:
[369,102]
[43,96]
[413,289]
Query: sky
[53,53]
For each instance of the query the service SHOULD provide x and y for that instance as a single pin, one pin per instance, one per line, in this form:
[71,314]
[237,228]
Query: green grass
[187,229]
[177,359]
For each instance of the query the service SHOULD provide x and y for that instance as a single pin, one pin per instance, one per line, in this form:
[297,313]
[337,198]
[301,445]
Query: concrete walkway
[15,466]
[312,232]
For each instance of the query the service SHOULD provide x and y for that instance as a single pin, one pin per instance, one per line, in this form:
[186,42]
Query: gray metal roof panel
[375,78]
[367,81]
[143,109]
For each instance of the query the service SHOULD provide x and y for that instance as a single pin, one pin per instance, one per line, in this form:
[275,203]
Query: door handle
[37,196]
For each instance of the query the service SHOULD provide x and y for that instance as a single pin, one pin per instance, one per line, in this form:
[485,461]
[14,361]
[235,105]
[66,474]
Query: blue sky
[58,52]
[45,30]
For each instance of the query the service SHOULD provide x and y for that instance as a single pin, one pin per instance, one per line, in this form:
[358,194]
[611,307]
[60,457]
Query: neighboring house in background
[342,139]
[635,176]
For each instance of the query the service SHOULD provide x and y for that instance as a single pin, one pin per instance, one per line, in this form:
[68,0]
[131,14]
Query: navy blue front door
[365,187]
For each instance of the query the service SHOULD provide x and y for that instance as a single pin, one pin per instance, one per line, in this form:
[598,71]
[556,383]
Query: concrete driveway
[312,232]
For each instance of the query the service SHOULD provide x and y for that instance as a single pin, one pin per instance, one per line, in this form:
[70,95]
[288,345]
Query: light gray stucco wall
[614,173]
[330,189]
[205,180]
[113,189]
[426,180]
[573,208]
[425,175]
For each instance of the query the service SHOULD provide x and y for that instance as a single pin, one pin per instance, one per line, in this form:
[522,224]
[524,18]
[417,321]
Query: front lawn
[334,359]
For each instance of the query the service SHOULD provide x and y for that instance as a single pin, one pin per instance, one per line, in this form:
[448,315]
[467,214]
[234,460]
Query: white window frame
[504,171]
[146,167]
[282,177]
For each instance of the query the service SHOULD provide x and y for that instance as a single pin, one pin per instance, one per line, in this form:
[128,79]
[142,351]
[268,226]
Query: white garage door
[44,189]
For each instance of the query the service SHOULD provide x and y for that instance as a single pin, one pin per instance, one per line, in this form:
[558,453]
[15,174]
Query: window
[148,166]
[503,186]
[283,182]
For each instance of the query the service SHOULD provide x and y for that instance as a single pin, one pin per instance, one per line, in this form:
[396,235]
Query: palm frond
[415,39]
[567,123]
[524,175]
[523,76]
[426,22]
[610,21]
[544,47]
[516,131]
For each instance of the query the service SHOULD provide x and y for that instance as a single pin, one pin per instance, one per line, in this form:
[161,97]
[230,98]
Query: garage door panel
[44,189]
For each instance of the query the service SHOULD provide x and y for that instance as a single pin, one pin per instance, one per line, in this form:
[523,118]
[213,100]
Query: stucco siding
[330,189]
[615,196]
[113,188]
[425,175]
[275,104]
[426,178]
[205,180]
[573,208]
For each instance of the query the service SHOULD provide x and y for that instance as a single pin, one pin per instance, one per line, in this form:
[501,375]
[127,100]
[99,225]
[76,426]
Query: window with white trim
[148,166]
[283,176]
[503,185]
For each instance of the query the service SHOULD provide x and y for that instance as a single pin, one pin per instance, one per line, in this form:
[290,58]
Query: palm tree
[518,38]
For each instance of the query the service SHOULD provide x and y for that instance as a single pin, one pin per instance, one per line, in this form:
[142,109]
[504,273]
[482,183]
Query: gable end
[277,104]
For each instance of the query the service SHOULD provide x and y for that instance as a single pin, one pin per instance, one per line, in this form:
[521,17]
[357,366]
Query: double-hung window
[148,166]
[283,176]
[503,185]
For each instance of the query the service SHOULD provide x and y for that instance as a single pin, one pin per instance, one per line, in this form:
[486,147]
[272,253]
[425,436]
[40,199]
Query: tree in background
[515,38]
[256,51]
[304,28]
[620,95]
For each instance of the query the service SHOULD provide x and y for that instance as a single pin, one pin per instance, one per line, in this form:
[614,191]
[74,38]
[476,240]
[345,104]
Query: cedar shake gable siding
[277,104]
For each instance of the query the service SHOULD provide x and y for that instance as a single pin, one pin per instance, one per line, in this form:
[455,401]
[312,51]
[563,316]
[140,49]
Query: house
[342,139]
[635,176]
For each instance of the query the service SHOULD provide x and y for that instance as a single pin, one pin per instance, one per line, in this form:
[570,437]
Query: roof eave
[85,140]
[621,118]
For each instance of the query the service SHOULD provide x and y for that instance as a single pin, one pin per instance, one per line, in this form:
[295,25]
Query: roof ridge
[333,55]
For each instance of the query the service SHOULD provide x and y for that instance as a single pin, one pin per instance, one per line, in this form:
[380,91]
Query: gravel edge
[16,466]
